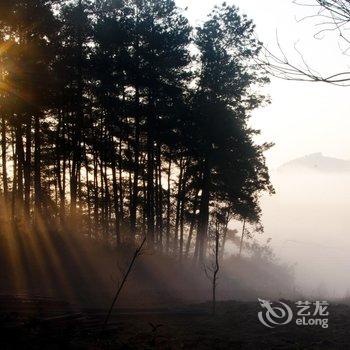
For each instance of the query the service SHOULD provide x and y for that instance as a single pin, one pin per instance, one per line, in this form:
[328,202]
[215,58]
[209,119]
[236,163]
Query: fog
[307,220]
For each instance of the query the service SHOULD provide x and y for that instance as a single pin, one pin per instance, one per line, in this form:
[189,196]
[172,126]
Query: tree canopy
[119,120]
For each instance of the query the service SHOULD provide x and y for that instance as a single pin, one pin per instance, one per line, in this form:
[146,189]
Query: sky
[303,118]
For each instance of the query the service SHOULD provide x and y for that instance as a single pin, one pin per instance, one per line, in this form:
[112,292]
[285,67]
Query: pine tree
[230,163]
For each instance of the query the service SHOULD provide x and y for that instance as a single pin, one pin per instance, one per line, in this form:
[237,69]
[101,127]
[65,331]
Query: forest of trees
[120,120]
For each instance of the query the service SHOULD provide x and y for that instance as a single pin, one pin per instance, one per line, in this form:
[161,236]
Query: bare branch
[281,67]
[334,15]
[137,253]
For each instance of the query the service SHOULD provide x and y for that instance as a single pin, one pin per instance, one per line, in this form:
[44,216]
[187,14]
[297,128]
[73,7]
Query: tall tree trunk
[136,166]
[88,195]
[4,158]
[96,198]
[224,237]
[116,202]
[183,204]
[27,169]
[74,185]
[64,183]
[216,268]
[203,218]
[242,238]
[37,167]
[144,213]
[156,204]
[168,215]
[182,224]
[193,222]
[150,180]
[105,194]
[20,164]
[76,161]
[60,173]
[121,189]
[160,199]
[178,206]
[14,177]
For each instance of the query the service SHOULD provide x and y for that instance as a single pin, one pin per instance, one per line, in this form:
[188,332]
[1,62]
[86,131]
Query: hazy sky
[303,118]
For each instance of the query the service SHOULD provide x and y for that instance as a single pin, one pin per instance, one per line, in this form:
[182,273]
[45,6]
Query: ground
[48,324]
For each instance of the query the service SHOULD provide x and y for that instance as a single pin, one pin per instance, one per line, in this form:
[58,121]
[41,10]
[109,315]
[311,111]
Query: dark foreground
[48,324]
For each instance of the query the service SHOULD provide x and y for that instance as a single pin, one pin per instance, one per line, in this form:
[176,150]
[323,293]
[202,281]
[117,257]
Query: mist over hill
[316,162]
[308,221]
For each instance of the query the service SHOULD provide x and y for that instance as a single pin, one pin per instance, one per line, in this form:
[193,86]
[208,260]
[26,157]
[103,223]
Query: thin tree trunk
[88,196]
[182,226]
[193,222]
[216,268]
[14,181]
[96,199]
[105,191]
[77,125]
[160,200]
[27,168]
[20,164]
[203,218]
[116,202]
[121,191]
[37,166]
[178,206]
[60,173]
[4,158]
[136,167]
[150,182]
[168,208]
[242,237]
[223,242]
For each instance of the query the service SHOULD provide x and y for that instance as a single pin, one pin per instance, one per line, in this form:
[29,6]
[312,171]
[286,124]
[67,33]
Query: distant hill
[316,162]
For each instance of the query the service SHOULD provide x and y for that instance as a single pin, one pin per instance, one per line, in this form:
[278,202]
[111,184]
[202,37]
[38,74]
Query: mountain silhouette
[316,162]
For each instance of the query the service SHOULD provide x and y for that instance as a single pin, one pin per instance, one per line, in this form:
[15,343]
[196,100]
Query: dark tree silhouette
[232,167]
[114,127]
